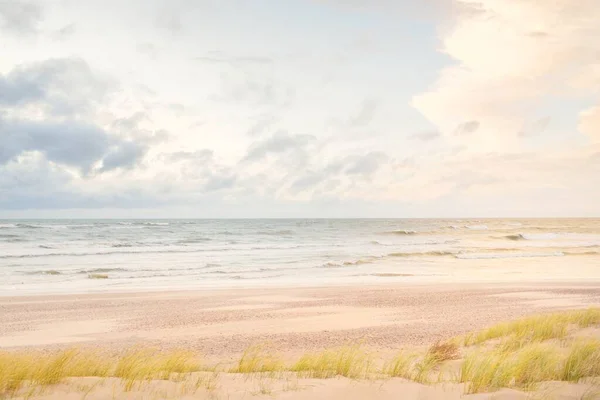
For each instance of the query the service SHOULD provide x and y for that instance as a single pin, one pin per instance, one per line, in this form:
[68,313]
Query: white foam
[480,256]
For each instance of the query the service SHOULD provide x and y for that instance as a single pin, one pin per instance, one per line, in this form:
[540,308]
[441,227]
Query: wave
[477,227]
[7,226]
[390,275]
[47,272]
[424,253]
[30,226]
[532,236]
[101,270]
[360,261]
[44,246]
[482,256]
[401,232]
[101,253]
[194,240]
[276,233]
[9,235]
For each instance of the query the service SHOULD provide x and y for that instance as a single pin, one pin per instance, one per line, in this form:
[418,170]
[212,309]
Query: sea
[83,256]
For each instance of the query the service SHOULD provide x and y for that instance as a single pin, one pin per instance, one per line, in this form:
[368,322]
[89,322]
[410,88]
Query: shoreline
[104,291]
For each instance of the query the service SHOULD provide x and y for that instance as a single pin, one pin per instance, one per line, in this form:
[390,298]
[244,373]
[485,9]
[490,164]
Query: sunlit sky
[299,108]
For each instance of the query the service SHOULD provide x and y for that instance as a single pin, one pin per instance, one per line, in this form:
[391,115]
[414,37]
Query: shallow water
[49,256]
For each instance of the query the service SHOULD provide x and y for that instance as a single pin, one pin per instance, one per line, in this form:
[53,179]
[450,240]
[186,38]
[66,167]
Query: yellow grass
[349,361]
[401,366]
[582,361]
[526,353]
[37,369]
[257,359]
[537,328]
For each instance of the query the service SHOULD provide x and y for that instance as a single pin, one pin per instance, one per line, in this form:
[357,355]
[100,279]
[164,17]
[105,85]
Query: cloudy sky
[299,108]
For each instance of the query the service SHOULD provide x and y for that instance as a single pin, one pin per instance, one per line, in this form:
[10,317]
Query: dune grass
[37,369]
[348,361]
[257,359]
[517,354]
[537,328]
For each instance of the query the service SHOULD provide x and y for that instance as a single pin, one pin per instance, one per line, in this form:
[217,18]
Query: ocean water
[59,256]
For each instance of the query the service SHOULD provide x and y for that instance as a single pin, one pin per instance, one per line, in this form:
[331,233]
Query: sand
[221,324]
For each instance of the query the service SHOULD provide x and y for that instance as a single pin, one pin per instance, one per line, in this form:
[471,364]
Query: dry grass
[349,361]
[257,359]
[485,370]
[37,369]
[402,366]
[444,351]
[526,353]
[537,328]
[582,361]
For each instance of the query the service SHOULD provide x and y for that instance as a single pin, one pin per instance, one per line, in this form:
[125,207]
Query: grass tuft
[537,328]
[582,361]
[349,361]
[401,366]
[256,359]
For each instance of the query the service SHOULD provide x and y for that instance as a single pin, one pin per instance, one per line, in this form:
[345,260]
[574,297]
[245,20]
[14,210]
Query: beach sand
[221,324]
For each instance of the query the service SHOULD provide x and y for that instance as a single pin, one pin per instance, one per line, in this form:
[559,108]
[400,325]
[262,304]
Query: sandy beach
[221,324]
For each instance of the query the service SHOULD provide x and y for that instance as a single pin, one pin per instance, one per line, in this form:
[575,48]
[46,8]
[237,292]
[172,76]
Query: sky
[299,108]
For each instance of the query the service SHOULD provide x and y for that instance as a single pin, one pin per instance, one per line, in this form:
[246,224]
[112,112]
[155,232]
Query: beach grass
[350,361]
[519,354]
[537,328]
[257,359]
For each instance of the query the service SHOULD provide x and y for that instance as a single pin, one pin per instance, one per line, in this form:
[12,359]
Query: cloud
[467,128]
[19,17]
[426,136]
[505,69]
[589,123]
[70,143]
[366,113]
[63,87]
[65,32]
[278,143]
[366,165]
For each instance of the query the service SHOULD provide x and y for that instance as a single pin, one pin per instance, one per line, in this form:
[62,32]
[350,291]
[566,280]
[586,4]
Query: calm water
[46,256]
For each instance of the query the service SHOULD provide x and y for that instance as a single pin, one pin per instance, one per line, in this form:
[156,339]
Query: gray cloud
[536,127]
[202,156]
[170,22]
[59,86]
[218,57]
[65,32]
[426,136]
[68,143]
[366,165]
[19,17]
[365,114]
[220,181]
[280,142]
[467,128]
[260,126]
